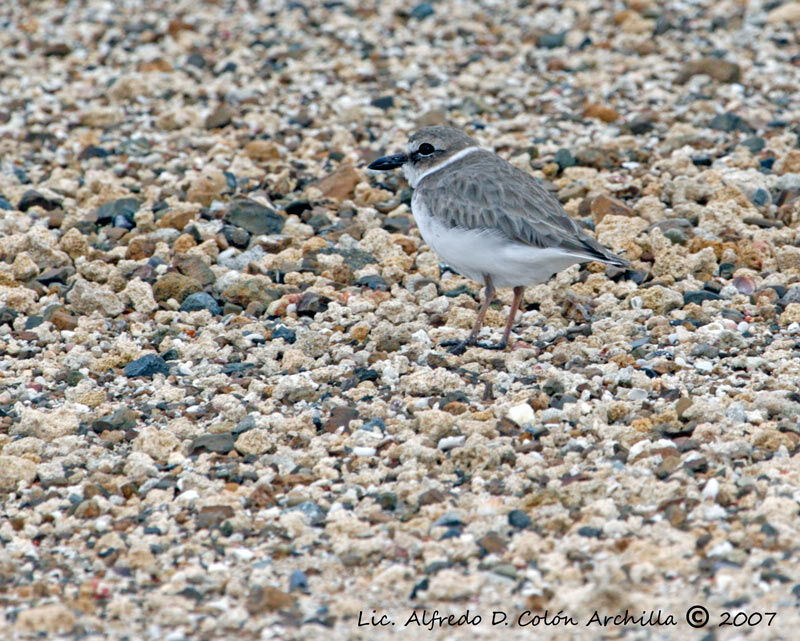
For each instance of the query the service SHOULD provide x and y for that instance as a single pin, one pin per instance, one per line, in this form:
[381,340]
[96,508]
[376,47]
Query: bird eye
[426,149]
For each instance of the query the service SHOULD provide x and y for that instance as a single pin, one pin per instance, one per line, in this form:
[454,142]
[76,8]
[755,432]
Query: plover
[488,220]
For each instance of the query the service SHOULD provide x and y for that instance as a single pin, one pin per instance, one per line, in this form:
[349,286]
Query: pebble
[422,11]
[449,442]
[598,206]
[754,144]
[297,207]
[312,303]
[173,285]
[639,127]
[384,102]
[212,516]
[200,301]
[285,333]
[147,365]
[719,70]
[601,112]
[522,415]
[121,210]
[194,267]
[340,418]
[364,451]
[315,514]
[222,116]
[236,236]
[254,217]
[677,236]
[311,437]
[786,13]
[729,122]
[703,365]
[698,297]
[564,159]
[519,519]
[238,261]
[298,581]
[372,281]
[15,470]
[219,443]
[449,519]
[32,198]
[340,184]
[551,40]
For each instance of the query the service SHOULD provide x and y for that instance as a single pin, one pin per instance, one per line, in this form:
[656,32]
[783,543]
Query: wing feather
[512,202]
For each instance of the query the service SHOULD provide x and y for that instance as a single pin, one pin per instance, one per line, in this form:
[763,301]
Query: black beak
[388,162]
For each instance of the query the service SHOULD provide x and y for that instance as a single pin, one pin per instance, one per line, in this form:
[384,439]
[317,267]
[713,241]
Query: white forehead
[437,141]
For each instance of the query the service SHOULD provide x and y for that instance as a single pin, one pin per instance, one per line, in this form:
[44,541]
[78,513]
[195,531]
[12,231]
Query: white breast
[477,252]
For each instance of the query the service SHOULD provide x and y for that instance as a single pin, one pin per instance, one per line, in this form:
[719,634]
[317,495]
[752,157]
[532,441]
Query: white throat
[414,175]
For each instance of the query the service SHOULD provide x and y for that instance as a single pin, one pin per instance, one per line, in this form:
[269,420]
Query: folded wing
[488,192]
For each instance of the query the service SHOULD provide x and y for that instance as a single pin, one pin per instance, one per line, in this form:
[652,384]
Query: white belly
[476,253]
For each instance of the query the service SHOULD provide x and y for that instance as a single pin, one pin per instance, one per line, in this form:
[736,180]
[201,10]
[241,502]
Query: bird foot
[584,306]
[457,348]
[496,346]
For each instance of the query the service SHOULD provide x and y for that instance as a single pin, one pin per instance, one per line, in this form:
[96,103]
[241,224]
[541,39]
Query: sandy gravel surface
[224,410]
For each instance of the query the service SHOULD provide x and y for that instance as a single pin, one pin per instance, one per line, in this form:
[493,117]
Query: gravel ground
[224,411]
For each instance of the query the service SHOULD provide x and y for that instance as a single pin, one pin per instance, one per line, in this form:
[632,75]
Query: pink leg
[488,297]
[518,291]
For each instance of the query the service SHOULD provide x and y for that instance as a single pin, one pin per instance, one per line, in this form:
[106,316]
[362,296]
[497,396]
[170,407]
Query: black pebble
[384,102]
[285,333]
[93,152]
[726,270]
[551,40]
[147,365]
[397,224]
[729,122]
[760,197]
[422,11]
[199,301]
[245,425]
[298,580]
[699,296]
[254,217]
[196,60]
[123,222]
[565,159]
[236,368]
[33,198]
[230,180]
[754,144]
[639,127]
[318,221]
[122,207]
[372,281]
[217,443]
[236,236]
[297,207]
[519,519]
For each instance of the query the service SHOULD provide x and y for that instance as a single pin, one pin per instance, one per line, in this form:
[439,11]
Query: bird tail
[616,260]
[605,255]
